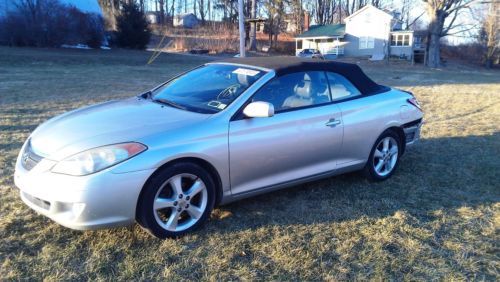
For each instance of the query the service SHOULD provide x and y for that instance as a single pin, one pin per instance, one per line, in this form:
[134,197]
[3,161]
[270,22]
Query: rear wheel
[177,200]
[384,157]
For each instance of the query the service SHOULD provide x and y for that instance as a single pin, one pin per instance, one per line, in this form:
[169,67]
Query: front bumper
[99,200]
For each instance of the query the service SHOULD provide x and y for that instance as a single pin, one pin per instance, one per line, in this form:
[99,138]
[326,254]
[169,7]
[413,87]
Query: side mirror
[259,109]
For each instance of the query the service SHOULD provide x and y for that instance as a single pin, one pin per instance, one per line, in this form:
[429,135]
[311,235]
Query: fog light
[77,209]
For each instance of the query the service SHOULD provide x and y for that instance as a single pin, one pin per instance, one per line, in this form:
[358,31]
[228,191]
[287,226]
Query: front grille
[29,159]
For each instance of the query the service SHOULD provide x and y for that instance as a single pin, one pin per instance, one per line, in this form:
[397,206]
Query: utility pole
[241,20]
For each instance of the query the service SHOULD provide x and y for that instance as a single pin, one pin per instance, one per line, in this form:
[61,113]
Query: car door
[360,117]
[302,139]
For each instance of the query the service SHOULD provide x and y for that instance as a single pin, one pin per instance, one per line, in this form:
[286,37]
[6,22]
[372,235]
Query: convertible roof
[285,65]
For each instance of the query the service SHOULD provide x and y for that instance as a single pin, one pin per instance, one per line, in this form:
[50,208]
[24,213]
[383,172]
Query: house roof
[180,16]
[285,65]
[366,7]
[327,30]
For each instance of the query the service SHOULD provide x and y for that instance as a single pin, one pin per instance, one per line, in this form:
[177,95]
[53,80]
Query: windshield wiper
[170,103]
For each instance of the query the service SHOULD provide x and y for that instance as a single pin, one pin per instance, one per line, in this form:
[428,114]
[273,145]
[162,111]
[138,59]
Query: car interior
[295,90]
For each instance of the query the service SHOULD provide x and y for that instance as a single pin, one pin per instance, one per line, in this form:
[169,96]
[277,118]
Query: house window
[406,40]
[366,42]
[299,44]
[400,40]
[417,41]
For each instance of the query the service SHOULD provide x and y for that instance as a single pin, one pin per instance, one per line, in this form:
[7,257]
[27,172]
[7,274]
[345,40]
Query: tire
[177,200]
[383,161]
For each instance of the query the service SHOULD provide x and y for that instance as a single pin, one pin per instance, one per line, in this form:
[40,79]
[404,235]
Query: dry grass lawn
[437,218]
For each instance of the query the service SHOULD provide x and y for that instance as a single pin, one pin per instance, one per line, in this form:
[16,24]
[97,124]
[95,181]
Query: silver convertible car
[221,132]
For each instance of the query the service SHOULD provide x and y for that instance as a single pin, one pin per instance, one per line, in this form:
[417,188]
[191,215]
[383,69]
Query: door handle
[333,122]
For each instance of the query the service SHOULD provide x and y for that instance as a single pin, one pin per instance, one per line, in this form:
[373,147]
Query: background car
[311,53]
[222,132]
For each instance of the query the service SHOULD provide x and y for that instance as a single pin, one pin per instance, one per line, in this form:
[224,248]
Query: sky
[84,5]
[89,6]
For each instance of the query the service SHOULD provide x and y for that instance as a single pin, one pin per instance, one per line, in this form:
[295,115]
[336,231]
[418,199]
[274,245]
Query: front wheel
[384,157]
[177,200]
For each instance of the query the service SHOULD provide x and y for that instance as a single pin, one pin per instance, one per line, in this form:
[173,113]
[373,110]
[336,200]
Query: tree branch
[415,20]
[445,30]
[458,7]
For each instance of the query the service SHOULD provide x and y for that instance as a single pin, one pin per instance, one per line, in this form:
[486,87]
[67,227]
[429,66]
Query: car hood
[107,123]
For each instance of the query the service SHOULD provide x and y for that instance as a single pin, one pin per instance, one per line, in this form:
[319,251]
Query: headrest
[243,79]
[303,89]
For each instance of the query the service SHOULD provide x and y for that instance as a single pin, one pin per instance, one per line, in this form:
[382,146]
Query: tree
[324,11]
[49,23]
[438,11]
[133,31]
[201,5]
[109,10]
[275,12]
[253,27]
[490,35]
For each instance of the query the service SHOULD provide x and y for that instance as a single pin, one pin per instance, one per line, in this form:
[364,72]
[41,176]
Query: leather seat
[302,94]
[244,80]
[339,91]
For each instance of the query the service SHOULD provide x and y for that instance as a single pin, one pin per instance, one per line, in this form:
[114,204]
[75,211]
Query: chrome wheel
[180,202]
[385,156]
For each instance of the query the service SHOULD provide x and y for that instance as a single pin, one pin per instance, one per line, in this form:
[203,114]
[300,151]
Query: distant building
[153,17]
[368,32]
[188,20]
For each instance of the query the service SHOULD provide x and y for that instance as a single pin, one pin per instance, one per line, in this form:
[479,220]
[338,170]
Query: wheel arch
[199,161]
[400,132]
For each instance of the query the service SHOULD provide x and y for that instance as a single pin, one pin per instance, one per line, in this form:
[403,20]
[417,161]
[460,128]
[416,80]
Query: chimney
[307,20]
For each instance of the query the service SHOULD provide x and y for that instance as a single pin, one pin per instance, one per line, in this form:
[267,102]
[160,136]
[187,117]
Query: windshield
[208,89]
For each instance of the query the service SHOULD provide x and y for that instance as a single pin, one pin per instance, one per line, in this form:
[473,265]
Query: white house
[367,32]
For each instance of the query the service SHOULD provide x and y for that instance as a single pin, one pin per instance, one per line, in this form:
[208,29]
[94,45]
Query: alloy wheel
[180,202]
[385,156]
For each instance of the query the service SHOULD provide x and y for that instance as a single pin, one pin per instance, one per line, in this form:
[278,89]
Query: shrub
[132,28]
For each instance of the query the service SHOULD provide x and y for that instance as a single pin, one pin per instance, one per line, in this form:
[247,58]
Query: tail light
[414,102]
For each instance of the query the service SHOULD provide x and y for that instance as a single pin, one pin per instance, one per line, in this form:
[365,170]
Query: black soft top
[285,65]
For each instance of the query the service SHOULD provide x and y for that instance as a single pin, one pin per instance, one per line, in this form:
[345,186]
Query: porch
[325,38]
[326,45]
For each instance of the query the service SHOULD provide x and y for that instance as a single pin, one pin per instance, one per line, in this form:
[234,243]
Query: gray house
[368,32]
[188,20]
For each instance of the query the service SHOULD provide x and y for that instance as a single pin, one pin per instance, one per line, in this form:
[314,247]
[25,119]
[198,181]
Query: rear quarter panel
[366,118]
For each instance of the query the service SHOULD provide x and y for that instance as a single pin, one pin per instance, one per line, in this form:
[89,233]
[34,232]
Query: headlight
[97,159]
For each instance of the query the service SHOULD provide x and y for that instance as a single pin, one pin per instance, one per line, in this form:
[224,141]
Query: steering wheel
[229,93]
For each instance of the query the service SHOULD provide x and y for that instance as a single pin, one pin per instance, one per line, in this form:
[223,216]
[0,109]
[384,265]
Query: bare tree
[253,26]
[297,14]
[161,3]
[438,11]
[490,34]
[407,17]
[110,9]
[275,12]
[201,8]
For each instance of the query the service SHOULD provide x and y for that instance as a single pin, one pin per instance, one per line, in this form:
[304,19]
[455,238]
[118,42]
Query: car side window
[340,87]
[295,90]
